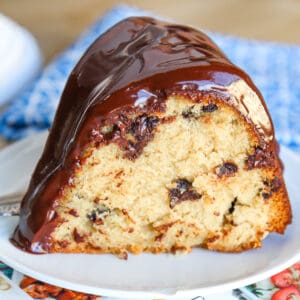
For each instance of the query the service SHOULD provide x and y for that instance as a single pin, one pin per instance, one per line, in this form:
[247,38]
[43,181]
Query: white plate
[200,273]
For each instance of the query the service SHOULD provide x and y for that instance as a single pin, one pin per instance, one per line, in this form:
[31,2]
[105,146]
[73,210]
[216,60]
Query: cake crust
[123,85]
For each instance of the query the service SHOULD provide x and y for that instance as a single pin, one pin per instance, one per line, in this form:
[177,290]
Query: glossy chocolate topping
[137,63]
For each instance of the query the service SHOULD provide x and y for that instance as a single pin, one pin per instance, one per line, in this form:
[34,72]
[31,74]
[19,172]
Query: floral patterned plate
[282,286]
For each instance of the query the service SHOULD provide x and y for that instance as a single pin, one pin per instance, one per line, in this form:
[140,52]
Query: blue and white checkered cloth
[274,68]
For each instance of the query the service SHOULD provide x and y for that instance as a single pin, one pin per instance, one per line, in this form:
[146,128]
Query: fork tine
[11,198]
[10,204]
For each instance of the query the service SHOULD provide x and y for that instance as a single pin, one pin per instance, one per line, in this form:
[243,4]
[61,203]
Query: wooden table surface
[56,23]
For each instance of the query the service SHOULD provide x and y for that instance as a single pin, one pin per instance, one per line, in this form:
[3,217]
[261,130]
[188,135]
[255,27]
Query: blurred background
[56,23]
[52,25]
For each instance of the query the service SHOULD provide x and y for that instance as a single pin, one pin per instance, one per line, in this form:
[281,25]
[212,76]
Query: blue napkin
[274,68]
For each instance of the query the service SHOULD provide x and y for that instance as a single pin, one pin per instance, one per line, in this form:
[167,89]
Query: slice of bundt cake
[159,144]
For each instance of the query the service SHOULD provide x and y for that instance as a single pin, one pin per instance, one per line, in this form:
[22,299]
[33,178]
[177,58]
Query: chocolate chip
[92,216]
[182,192]
[209,108]
[98,213]
[132,149]
[121,122]
[189,113]
[63,244]
[141,128]
[77,236]
[233,203]
[272,186]
[115,128]
[183,185]
[266,195]
[103,211]
[275,184]
[260,158]
[73,212]
[95,136]
[227,169]
[143,125]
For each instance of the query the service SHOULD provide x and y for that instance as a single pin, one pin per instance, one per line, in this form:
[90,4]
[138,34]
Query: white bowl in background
[20,59]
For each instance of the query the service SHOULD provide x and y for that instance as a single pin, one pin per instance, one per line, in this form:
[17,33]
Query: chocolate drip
[135,64]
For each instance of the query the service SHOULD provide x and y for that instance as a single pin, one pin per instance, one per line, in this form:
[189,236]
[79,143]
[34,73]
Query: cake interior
[189,185]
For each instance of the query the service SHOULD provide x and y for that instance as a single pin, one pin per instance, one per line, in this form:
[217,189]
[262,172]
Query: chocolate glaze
[135,64]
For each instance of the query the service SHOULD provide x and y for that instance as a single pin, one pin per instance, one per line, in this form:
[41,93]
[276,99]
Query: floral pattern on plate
[40,290]
[4,285]
[284,285]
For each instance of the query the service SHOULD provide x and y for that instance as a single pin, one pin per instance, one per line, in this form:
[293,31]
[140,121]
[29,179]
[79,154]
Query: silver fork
[10,204]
